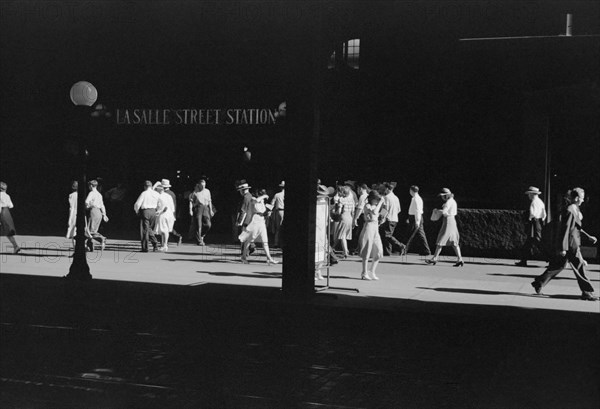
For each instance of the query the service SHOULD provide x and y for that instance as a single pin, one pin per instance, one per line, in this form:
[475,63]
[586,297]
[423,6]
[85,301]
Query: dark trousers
[533,230]
[147,219]
[417,233]
[201,223]
[386,231]
[558,263]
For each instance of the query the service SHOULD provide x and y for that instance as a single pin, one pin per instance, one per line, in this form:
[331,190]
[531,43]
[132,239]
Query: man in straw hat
[244,214]
[533,225]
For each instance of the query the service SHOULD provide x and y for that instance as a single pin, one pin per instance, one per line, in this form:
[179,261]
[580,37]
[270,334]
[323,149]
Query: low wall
[486,233]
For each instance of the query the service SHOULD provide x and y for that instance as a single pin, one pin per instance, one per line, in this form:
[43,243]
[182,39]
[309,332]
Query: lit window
[350,54]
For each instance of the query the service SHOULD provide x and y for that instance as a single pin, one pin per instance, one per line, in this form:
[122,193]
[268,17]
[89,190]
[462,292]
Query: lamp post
[82,94]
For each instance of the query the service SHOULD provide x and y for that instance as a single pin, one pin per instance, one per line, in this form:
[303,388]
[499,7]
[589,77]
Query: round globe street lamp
[82,94]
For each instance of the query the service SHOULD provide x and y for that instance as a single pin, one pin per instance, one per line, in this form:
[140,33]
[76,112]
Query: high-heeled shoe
[459,263]
[373,276]
[431,261]
[365,277]
[271,261]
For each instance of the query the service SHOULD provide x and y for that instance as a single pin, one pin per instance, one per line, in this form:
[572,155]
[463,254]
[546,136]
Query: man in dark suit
[244,214]
[567,248]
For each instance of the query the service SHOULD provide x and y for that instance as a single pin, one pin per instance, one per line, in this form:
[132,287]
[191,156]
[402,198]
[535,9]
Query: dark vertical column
[306,63]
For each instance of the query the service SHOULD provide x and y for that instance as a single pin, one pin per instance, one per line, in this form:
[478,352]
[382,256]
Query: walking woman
[448,235]
[369,241]
[165,216]
[343,228]
[257,228]
[7,226]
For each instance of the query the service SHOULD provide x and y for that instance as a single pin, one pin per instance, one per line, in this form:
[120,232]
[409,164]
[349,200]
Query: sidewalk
[480,281]
[195,328]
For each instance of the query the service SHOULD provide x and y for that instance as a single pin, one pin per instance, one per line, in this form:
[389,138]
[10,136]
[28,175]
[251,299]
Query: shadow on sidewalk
[123,344]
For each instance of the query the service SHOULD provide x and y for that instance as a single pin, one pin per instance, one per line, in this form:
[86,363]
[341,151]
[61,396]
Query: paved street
[195,328]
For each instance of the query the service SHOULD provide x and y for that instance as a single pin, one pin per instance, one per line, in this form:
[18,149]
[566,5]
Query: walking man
[145,207]
[201,211]
[533,225]
[96,214]
[386,229]
[278,203]
[568,248]
[415,221]
[244,214]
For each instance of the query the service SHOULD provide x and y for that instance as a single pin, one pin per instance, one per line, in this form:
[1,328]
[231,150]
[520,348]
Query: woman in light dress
[448,235]
[7,226]
[369,241]
[343,229]
[257,228]
[165,216]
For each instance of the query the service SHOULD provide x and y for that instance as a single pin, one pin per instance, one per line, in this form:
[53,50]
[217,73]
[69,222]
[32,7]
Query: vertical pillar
[306,64]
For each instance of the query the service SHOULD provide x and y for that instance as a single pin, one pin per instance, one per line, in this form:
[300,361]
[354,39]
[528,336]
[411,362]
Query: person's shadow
[489,292]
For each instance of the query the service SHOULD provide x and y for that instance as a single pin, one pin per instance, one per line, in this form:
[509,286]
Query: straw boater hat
[322,190]
[533,190]
[445,192]
[165,183]
[242,185]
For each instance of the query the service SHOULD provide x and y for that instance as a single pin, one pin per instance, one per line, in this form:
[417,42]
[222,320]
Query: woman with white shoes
[257,228]
[369,241]
[165,216]
[448,235]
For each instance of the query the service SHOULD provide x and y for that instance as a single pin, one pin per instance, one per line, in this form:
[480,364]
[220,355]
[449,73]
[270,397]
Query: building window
[350,54]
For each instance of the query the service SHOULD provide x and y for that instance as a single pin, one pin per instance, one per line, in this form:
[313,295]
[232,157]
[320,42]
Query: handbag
[436,215]
[336,212]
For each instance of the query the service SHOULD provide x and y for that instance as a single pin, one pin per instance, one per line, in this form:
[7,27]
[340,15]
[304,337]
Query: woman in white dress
[448,235]
[369,241]
[257,228]
[165,216]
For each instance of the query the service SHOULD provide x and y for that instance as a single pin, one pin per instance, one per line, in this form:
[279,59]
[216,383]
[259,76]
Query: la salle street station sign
[191,116]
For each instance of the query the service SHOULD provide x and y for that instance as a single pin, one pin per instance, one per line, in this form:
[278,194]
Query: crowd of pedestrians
[370,215]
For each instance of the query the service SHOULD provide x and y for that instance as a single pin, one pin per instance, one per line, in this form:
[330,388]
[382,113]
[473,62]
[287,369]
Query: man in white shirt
[96,213]
[387,228]
[201,211]
[415,221]
[533,225]
[145,207]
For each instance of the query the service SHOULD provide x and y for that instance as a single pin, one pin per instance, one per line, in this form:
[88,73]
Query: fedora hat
[282,184]
[445,191]
[157,184]
[533,190]
[165,183]
[243,185]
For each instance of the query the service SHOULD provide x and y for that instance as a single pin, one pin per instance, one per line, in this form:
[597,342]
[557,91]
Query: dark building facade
[409,101]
